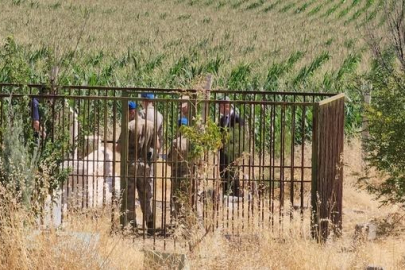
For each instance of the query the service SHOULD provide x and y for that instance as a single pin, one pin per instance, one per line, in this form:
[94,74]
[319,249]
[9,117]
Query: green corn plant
[308,71]
[193,2]
[359,12]
[327,82]
[271,6]
[38,55]
[255,5]
[208,3]
[304,7]
[348,67]
[238,4]
[329,41]
[220,5]
[345,11]
[373,14]
[316,9]
[389,8]
[239,77]
[155,62]
[96,59]
[213,66]
[179,66]
[278,70]
[333,9]
[287,7]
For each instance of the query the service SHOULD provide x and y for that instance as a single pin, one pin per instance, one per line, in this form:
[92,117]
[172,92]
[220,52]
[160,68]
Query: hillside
[246,43]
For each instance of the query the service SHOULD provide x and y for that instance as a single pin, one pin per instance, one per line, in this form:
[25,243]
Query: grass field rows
[246,44]
[195,33]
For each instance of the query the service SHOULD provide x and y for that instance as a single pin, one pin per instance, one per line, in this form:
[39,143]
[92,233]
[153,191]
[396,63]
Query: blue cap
[183,121]
[131,105]
[148,95]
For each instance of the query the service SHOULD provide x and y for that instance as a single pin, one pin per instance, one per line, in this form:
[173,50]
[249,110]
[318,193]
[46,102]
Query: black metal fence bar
[262,170]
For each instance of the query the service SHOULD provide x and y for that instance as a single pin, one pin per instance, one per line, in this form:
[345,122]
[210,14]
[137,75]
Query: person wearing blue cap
[180,170]
[184,109]
[131,110]
[150,113]
[141,138]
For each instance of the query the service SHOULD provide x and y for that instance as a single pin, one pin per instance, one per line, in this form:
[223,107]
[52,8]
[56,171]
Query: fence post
[327,167]
[53,78]
[364,128]
[206,96]
[124,160]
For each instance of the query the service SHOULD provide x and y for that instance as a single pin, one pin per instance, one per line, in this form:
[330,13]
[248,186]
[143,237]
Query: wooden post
[327,167]
[206,96]
[53,78]
[364,128]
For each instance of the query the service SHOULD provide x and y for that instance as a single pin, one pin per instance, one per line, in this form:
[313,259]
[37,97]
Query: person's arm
[36,125]
[240,120]
[118,144]
[159,142]
[38,128]
[118,148]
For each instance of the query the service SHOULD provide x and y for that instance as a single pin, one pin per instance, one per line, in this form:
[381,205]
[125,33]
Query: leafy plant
[385,146]
[239,76]
[255,4]
[287,7]
[278,70]
[306,72]
[304,6]
[203,137]
[385,143]
[333,8]
[29,165]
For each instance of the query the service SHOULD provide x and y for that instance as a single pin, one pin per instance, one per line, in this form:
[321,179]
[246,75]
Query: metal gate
[261,172]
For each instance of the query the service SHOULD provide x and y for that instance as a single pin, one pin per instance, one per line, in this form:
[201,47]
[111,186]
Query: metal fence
[274,146]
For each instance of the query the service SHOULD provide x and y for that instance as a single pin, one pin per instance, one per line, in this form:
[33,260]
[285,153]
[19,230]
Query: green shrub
[30,166]
[386,125]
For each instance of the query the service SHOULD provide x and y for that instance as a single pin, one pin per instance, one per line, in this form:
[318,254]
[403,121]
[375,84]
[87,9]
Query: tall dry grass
[86,240]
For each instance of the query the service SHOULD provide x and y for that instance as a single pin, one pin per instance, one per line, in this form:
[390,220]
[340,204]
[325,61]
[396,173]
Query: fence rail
[264,169]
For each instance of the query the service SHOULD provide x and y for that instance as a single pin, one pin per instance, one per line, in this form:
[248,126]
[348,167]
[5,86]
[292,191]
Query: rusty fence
[280,152]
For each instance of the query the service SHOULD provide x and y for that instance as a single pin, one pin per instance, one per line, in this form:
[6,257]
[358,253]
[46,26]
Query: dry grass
[86,241]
